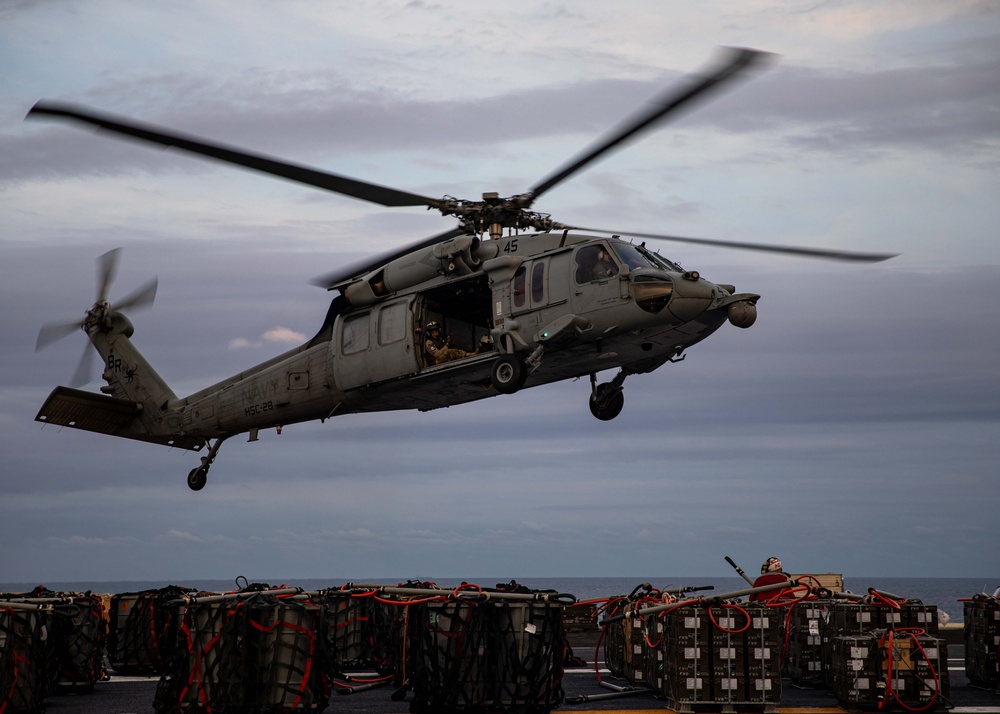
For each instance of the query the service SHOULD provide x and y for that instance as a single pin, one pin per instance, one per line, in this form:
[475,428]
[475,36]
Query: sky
[855,428]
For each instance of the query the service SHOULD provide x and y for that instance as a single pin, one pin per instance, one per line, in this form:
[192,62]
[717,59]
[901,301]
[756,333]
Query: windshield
[637,256]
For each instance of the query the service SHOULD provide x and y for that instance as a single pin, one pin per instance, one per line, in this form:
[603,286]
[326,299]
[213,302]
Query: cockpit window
[638,256]
[631,256]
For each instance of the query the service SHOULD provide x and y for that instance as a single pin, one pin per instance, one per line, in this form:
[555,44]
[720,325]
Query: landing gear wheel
[607,402]
[509,373]
[198,478]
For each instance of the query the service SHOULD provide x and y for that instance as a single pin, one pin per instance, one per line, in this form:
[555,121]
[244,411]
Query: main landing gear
[607,399]
[198,477]
[511,370]
[508,374]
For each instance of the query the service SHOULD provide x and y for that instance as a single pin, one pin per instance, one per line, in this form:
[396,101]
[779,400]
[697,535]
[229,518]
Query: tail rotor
[98,317]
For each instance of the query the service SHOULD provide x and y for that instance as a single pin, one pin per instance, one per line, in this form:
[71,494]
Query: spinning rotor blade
[140,298]
[823,253]
[107,269]
[84,368]
[353,270]
[55,331]
[149,133]
[735,61]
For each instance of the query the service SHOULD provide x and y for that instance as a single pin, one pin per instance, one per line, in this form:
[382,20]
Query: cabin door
[375,344]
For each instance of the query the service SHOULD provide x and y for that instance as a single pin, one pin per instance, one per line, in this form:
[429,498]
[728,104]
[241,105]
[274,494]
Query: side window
[538,282]
[392,323]
[586,257]
[519,288]
[355,334]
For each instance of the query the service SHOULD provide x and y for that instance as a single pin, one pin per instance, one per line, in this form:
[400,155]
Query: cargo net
[485,656]
[258,655]
[982,641]
[24,660]
[348,631]
[144,643]
[79,635]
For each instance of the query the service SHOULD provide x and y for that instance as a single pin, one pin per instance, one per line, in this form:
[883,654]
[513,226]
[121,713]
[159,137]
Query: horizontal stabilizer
[105,415]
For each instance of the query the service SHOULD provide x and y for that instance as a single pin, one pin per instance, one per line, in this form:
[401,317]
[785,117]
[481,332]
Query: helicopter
[524,301]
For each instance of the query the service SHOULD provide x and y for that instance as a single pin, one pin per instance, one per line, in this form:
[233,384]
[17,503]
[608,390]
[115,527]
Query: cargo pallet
[722,659]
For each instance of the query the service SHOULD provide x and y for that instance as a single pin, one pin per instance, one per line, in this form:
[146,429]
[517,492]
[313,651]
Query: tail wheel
[607,402]
[198,478]
[509,373]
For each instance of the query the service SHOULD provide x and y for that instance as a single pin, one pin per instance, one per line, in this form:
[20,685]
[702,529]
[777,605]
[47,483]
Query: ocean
[943,592]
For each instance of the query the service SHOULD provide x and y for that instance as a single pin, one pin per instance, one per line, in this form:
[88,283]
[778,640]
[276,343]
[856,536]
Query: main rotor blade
[107,268]
[149,133]
[55,331]
[734,61]
[140,298]
[353,270]
[823,253]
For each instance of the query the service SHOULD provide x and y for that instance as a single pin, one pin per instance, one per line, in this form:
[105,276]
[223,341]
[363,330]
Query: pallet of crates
[347,632]
[207,669]
[284,656]
[853,672]
[890,669]
[143,630]
[722,658]
[804,660]
[653,658]
[763,643]
[247,651]
[687,643]
[981,629]
[845,619]
[25,656]
[485,651]
[78,637]
[627,653]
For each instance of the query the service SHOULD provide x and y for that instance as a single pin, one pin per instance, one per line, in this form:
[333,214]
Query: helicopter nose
[692,296]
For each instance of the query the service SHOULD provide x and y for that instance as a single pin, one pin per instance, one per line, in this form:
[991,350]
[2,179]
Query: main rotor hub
[494,213]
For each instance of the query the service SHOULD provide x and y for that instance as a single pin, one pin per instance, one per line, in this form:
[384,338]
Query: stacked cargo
[884,668]
[143,630]
[348,631]
[249,651]
[25,658]
[50,643]
[845,619]
[804,660]
[982,641]
[486,656]
[882,650]
[626,648]
[722,657]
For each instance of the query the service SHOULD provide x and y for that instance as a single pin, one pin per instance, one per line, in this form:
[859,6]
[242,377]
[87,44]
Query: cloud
[283,334]
[275,334]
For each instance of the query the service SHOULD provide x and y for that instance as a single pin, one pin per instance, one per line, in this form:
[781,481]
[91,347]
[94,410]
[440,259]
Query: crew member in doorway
[770,573]
[437,349]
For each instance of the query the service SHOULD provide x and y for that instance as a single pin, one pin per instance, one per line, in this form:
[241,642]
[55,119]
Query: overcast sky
[855,428]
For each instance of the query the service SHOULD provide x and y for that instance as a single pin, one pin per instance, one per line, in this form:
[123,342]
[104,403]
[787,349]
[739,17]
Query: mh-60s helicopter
[534,302]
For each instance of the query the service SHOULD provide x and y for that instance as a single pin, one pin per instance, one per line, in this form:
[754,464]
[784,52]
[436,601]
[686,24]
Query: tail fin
[137,405]
[127,373]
